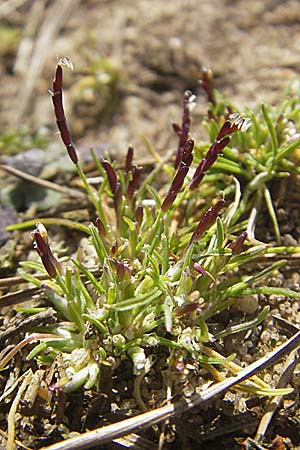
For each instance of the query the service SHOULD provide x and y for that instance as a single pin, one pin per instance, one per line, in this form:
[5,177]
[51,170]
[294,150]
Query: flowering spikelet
[208,218]
[178,180]
[234,123]
[129,158]
[100,227]
[183,131]
[41,245]
[237,244]
[207,85]
[59,110]
[134,182]
[111,176]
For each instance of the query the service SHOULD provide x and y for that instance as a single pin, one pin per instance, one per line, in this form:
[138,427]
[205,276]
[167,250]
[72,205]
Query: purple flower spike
[207,85]
[129,158]
[199,269]
[134,183]
[234,123]
[188,309]
[118,197]
[237,244]
[139,215]
[178,180]
[187,156]
[111,175]
[100,227]
[60,115]
[227,128]
[114,249]
[123,271]
[208,218]
[176,128]
[208,161]
[183,132]
[40,238]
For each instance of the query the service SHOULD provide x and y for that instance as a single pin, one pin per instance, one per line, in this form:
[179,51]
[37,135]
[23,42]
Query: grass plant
[170,258]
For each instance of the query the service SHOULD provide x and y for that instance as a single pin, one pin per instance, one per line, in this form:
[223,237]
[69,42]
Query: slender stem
[91,194]
[272,214]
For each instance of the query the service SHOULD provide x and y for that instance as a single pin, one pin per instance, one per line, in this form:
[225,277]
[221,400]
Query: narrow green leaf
[272,214]
[203,359]
[272,291]
[29,278]
[246,325]
[165,253]
[99,288]
[154,195]
[271,129]
[285,152]
[49,221]
[131,224]
[135,302]
[204,329]
[220,233]
[98,324]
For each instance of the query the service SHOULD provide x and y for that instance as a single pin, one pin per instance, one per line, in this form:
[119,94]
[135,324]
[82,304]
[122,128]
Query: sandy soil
[156,50]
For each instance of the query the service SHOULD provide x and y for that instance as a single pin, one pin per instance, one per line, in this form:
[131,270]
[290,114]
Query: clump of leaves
[266,152]
[168,261]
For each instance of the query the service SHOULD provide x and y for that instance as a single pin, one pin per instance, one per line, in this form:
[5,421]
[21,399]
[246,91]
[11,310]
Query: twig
[13,410]
[44,183]
[18,297]
[20,444]
[134,442]
[285,325]
[12,387]
[275,402]
[106,434]
[33,19]
[34,337]
[13,281]
[55,18]
[41,318]
[10,6]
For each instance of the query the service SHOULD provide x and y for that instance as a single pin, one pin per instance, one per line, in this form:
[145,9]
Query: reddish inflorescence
[40,238]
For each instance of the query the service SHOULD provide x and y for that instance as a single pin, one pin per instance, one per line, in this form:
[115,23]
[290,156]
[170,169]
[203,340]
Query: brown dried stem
[44,183]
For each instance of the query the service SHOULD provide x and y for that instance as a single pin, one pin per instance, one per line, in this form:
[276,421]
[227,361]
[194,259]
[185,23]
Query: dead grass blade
[18,297]
[55,18]
[13,411]
[44,183]
[9,6]
[275,402]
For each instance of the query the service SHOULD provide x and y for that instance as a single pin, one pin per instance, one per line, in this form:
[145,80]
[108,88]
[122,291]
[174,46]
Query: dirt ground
[145,53]
[132,61]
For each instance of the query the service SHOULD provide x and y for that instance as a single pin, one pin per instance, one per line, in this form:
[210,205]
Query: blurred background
[132,61]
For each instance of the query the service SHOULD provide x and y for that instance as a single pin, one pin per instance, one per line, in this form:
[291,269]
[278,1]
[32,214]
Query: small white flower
[192,102]
[66,62]
[243,123]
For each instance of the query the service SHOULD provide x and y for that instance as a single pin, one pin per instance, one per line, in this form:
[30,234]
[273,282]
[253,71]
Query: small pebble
[247,304]
[188,390]
[248,358]
[289,240]
[265,336]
